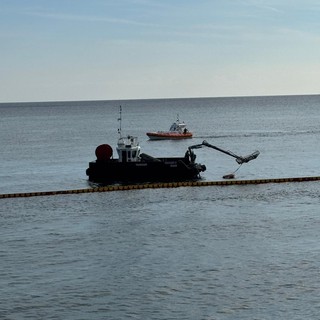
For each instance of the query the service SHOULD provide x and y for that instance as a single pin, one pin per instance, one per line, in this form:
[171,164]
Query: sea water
[217,252]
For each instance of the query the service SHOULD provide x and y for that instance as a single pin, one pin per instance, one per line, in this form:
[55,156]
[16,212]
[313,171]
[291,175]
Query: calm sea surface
[228,252]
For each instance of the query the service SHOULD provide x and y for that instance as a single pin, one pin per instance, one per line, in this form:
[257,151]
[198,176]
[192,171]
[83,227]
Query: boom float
[159,185]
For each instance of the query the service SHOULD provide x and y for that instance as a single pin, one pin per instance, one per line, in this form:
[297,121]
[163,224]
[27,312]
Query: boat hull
[168,135]
[160,170]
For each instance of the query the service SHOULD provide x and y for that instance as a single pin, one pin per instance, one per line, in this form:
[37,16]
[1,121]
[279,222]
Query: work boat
[178,130]
[132,166]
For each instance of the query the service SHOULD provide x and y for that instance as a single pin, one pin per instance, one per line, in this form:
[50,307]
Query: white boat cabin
[128,149]
[178,127]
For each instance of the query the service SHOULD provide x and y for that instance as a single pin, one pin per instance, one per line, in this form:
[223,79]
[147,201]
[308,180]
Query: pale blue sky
[136,49]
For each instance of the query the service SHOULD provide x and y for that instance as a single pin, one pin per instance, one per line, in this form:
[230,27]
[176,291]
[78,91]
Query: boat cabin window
[127,156]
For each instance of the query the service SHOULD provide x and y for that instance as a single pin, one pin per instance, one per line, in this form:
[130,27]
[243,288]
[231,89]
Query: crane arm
[239,159]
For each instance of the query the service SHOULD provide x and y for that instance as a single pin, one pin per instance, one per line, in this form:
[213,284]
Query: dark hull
[161,170]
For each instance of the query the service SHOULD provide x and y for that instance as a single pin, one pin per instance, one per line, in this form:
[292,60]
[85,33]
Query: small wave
[259,134]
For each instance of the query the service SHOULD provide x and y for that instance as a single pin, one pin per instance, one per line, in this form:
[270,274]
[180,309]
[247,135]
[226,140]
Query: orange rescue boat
[178,130]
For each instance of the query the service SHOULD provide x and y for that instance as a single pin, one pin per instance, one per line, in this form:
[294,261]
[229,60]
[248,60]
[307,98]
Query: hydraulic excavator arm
[239,159]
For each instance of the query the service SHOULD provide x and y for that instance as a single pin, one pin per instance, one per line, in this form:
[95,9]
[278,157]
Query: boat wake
[260,134]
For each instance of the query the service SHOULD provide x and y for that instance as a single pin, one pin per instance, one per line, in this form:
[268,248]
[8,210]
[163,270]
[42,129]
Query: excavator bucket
[248,158]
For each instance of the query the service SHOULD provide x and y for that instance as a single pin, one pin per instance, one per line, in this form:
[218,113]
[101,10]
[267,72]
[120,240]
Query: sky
[66,50]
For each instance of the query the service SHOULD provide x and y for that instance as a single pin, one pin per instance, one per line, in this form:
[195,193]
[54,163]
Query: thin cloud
[86,18]
[260,4]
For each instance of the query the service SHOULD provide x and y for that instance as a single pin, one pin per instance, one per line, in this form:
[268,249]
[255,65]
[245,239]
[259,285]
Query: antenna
[120,120]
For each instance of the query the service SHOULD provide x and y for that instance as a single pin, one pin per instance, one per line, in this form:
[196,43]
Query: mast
[120,121]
